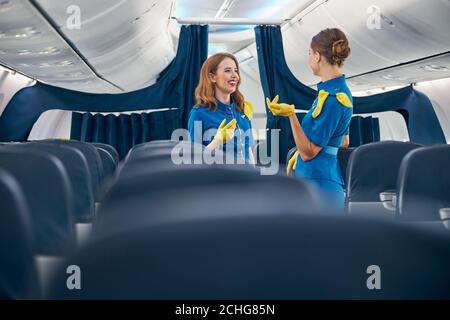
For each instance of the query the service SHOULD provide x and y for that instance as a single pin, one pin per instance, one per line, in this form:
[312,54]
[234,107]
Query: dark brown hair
[204,93]
[332,44]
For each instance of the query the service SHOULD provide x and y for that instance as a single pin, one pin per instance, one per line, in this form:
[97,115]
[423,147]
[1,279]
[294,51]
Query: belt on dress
[331,150]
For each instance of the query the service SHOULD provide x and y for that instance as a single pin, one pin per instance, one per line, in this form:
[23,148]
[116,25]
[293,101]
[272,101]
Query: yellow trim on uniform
[248,110]
[344,99]
[323,95]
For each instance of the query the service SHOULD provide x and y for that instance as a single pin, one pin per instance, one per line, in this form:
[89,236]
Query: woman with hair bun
[325,127]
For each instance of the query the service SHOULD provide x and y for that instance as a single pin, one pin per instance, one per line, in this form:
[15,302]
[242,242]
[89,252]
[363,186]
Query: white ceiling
[123,45]
[420,29]
[124,41]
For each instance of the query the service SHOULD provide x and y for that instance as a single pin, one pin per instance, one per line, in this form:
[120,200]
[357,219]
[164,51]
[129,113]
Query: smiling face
[226,77]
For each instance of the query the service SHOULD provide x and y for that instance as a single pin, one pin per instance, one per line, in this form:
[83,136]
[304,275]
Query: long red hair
[204,93]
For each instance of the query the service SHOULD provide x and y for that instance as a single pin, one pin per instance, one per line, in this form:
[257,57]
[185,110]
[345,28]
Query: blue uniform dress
[325,124]
[210,120]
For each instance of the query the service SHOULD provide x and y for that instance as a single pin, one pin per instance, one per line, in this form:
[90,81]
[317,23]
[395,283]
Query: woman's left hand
[280,109]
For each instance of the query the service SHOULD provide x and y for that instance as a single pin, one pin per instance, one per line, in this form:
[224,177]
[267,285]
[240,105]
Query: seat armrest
[389,200]
[444,213]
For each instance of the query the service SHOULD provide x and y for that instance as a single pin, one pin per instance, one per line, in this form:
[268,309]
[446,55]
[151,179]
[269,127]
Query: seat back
[48,193]
[424,184]
[273,256]
[201,191]
[152,144]
[93,158]
[77,169]
[156,147]
[343,157]
[18,273]
[109,166]
[372,169]
[109,148]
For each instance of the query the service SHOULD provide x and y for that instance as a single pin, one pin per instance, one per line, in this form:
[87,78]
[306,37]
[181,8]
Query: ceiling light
[49,50]
[22,33]
[45,51]
[433,67]
[47,64]
[23,52]
[392,77]
[67,75]
[356,83]
[55,64]
[5,5]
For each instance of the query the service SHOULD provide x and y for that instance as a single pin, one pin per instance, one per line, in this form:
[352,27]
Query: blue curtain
[174,89]
[276,78]
[124,131]
[364,130]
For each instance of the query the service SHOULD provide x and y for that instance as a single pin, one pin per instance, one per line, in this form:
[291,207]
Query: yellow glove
[225,132]
[292,163]
[280,109]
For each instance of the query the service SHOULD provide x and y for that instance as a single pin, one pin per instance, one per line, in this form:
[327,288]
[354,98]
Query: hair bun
[340,50]
[332,44]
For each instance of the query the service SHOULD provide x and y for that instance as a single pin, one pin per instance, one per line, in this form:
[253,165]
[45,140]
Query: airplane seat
[108,163]
[142,165]
[77,169]
[343,157]
[144,149]
[18,271]
[371,170]
[109,171]
[200,191]
[162,148]
[81,180]
[424,184]
[151,163]
[46,187]
[255,152]
[149,151]
[187,154]
[110,149]
[271,256]
[93,158]
[153,143]
[45,184]
[262,153]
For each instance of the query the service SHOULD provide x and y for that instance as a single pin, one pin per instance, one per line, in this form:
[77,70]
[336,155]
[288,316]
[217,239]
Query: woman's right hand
[225,132]
[280,109]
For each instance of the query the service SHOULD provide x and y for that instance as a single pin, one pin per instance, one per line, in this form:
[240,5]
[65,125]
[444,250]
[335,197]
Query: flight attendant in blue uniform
[325,127]
[221,109]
